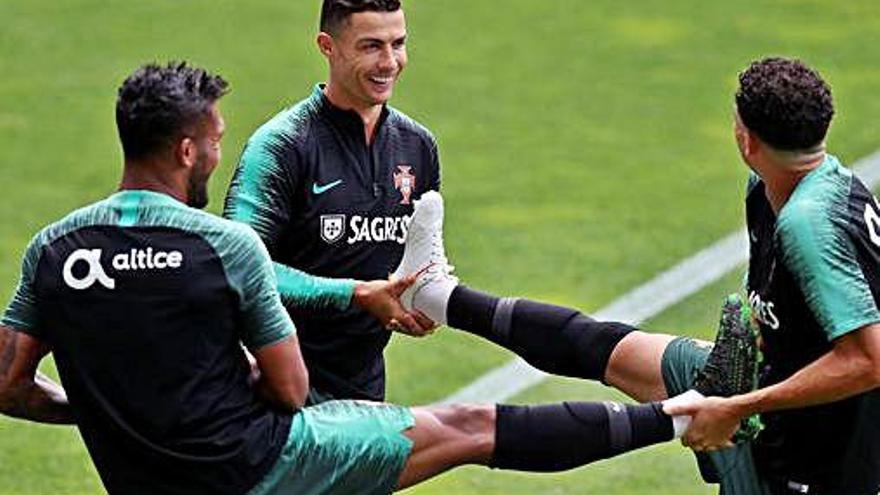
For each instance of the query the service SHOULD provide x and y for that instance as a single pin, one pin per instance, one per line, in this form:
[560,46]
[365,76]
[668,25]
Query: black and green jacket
[328,204]
[814,276]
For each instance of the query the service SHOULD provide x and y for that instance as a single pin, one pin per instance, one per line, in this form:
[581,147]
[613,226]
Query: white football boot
[424,252]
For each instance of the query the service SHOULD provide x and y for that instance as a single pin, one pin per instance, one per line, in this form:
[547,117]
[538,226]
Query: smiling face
[366,58]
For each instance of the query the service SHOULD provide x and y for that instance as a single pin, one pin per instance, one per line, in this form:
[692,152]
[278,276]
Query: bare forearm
[835,376]
[271,396]
[282,378]
[40,400]
[851,367]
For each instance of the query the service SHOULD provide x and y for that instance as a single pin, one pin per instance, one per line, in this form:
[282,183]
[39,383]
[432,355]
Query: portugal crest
[332,227]
[405,182]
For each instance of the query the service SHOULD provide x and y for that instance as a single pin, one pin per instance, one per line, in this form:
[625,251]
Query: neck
[781,178]
[148,175]
[369,113]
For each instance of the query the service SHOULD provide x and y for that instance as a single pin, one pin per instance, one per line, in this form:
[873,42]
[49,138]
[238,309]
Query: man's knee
[469,419]
[470,427]
[466,429]
[635,366]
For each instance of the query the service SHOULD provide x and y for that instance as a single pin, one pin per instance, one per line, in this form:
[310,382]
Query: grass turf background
[586,146]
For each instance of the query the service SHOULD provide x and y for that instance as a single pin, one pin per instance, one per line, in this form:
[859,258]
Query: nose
[387,60]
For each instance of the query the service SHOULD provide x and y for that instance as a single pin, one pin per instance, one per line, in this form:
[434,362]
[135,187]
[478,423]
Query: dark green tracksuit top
[327,204]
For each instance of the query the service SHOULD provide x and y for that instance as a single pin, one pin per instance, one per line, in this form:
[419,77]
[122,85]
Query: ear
[752,144]
[186,152]
[325,44]
[745,139]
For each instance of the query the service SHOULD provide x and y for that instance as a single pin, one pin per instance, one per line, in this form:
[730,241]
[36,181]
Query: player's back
[140,299]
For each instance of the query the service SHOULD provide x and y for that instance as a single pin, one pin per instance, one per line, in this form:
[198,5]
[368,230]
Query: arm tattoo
[36,397]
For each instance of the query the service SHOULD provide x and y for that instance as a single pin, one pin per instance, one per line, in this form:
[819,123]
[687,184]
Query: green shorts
[342,448]
[733,468]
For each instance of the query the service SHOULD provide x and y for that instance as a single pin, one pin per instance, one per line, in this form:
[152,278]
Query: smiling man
[329,184]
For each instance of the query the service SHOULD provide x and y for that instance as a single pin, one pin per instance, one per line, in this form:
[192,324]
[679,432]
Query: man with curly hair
[813,286]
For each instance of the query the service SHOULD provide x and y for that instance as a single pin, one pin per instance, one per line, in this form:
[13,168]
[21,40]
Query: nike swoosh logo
[322,189]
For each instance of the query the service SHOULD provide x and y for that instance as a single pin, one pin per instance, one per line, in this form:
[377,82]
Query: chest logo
[332,227]
[405,182]
[321,189]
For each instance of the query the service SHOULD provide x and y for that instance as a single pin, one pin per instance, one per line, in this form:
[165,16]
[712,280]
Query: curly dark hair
[784,102]
[155,105]
[335,12]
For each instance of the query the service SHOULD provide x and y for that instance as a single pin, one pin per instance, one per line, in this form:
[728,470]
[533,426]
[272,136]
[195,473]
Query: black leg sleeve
[563,436]
[554,339]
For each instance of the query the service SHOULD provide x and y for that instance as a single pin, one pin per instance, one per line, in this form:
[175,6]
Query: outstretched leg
[543,438]
[564,341]
[367,448]
[554,339]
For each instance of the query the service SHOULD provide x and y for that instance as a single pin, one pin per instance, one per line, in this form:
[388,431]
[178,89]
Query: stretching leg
[543,438]
[564,341]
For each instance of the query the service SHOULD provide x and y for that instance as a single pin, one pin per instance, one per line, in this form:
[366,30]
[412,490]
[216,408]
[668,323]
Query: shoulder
[289,127]
[221,233]
[236,244]
[406,124]
[819,198]
[815,215]
[94,214]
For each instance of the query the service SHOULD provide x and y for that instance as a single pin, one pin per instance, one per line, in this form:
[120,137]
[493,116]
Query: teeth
[382,80]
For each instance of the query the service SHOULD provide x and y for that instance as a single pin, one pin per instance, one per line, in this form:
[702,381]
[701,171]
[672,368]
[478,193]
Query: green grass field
[586,146]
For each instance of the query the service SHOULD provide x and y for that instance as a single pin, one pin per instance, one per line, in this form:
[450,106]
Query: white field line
[642,303]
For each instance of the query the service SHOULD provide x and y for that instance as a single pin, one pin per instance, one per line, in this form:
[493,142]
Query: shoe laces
[439,261]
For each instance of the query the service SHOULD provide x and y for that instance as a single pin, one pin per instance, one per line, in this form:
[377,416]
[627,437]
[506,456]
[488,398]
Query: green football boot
[733,364]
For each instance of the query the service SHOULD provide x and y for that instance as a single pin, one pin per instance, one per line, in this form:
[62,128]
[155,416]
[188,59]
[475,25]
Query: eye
[371,46]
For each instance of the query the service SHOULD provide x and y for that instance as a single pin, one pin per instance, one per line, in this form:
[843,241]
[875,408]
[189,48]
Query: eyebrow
[380,40]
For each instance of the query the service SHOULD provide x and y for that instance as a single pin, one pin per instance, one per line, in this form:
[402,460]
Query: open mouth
[382,80]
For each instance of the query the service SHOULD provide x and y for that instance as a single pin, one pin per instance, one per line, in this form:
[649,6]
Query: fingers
[397,286]
[415,275]
[680,409]
[407,324]
[424,321]
[412,326]
[708,447]
[703,437]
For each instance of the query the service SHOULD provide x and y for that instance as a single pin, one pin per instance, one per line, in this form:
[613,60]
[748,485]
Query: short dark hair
[786,103]
[156,104]
[335,12]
